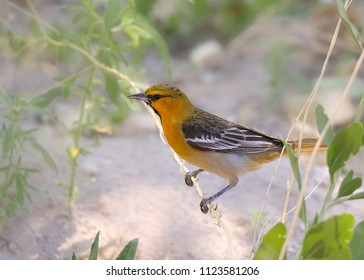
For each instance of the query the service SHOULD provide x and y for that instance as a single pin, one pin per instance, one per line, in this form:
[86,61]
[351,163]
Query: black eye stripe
[156,97]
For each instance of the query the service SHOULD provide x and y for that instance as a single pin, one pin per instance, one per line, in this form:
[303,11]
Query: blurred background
[77,156]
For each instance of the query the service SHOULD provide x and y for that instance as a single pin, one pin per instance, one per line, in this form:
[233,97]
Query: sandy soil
[130,186]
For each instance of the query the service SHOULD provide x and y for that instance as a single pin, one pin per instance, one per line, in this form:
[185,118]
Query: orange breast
[225,165]
[172,129]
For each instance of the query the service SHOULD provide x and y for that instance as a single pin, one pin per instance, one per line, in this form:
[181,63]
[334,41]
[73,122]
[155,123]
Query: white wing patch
[231,139]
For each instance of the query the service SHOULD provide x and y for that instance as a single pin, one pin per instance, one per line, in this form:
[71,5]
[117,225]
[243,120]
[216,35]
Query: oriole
[209,142]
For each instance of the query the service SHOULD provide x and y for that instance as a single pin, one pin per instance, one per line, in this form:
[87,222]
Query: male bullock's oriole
[210,142]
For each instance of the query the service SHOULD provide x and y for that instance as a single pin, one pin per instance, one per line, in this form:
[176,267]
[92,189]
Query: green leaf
[139,20]
[296,172]
[129,251]
[20,188]
[106,57]
[144,7]
[5,100]
[74,258]
[112,88]
[359,195]
[46,156]
[77,17]
[24,133]
[348,24]
[349,185]
[360,111]
[294,164]
[43,100]
[111,13]
[346,142]
[272,243]
[357,242]
[28,169]
[94,248]
[185,5]
[9,136]
[341,254]
[322,120]
[329,239]
[16,42]
[87,3]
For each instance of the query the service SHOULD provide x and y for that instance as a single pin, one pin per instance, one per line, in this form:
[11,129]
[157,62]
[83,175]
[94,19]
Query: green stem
[10,166]
[77,136]
[7,175]
[327,202]
[360,110]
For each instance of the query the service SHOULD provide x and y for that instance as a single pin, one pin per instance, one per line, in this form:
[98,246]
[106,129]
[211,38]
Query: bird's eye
[155,97]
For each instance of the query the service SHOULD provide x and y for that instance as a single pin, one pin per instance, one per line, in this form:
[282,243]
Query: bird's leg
[204,204]
[190,174]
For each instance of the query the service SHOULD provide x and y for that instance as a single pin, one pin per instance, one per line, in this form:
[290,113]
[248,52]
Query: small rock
[207,54]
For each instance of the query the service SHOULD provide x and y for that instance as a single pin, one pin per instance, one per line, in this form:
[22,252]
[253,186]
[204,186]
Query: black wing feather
[208,132]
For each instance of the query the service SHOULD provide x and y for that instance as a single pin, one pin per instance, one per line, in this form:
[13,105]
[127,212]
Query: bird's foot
[191,174]
[205,203]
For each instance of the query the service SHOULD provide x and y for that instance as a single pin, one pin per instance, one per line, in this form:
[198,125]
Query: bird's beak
[140,97]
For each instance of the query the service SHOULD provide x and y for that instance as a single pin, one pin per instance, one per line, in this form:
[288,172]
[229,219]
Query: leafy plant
[327,239]
[127,253]
[334,237]
[347,142]
[103,42]
[272,243]
[15,140]
[357,242]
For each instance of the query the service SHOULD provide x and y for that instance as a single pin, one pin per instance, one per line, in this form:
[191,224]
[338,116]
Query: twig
[86,54]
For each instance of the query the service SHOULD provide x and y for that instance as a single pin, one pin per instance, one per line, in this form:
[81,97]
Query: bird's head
[163,99]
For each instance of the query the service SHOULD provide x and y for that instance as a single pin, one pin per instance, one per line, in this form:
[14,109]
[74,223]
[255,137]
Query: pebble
[207,54]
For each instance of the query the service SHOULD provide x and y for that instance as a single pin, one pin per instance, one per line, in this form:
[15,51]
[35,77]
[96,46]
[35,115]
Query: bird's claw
[188,178]
[204,205]
[191,174]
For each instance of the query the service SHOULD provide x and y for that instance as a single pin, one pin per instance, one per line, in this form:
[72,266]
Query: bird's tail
[307,145]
